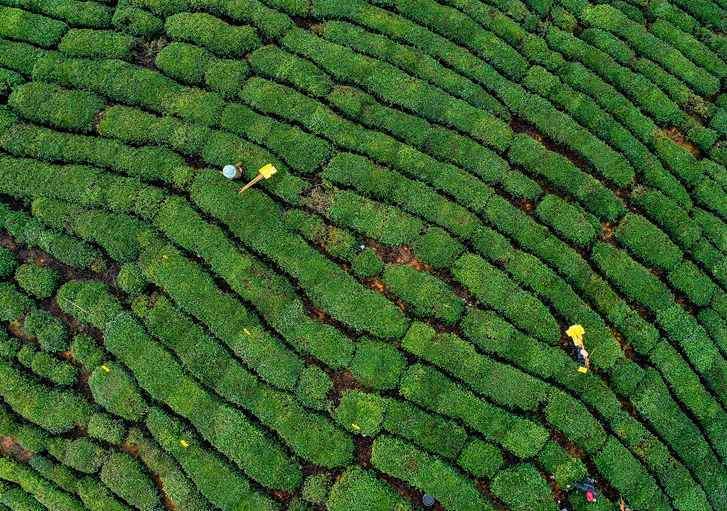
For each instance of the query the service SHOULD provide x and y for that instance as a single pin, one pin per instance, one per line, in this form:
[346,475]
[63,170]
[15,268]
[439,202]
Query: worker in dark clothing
[588,486]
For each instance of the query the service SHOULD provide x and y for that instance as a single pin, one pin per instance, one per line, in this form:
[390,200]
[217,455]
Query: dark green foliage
[137,22]
[367,264]
[316,487]
[431,389]
[556,460]
[19,57]
[480,459]
[560,172]
[633,279]
[85,350]
[216,478]
[37,280]
[690,280]
[437,247]
[647,242]
[668,215]
[8,263]
[494,289]
[105,427]
[74,12]
[220,38]
[18,499]
[53,409]
[184,62]
[519,185]
[96,497]
[90,302]
[567,414]
[360,490]
[59,372]
[275,63]
[44,491]
[337,242]
[377,365]
[117,391]
[82,42]
[129,479]
[68,109]
[29,27]
[29,436]
[81,454]
[130,279]
[127,83]
[567,220]
[426,294]
[137,127]
[313,387]
[523,488]
[302,151]
[226,77]
[8,81]
[428,473]
[361,413]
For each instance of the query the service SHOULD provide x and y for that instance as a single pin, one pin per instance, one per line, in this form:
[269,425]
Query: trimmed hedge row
[327,284]
[561,173]
[438,141]
[220,38]
[337,242]
[95,44]
[431,389]
[413,196]
[652,401]
[390,84]
[128,478]
[217,479]
[80,454]
[523,488]
[48,330]
[417,64]
[647,242]
[177,486]
[272,294]
[310,436]
[60,372]
[611,19]
[668,215]
[28,435]
[67,109]
[116,233]
[74,12]
[302,151]
[134,126]
[146,163]
[39,281]
[360,490]
[568,221]
[29,27]
[425,293]
[44,491]
[495,290]
[502,384]
[117,391]
[136,22]
[263,458]
[134,85]
[296,107]
[20,57]
[55,410]
[402,460]
[277,64]
[83,185]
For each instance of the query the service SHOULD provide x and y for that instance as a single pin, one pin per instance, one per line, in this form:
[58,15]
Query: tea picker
[576,332]
[235,171]
[588,486]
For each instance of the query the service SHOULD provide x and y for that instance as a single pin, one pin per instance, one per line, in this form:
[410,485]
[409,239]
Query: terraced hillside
[458,182]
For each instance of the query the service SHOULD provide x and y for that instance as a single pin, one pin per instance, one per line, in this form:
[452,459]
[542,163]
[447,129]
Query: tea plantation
[383,321]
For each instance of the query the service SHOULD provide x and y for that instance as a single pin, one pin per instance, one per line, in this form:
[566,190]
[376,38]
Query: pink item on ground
[589,496]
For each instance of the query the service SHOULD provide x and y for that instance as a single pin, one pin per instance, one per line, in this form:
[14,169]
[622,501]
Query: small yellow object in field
[105,369]
[576,333]
[165,257]
[582,370]
[265,172]
[185,444]
[355,426]
[247,331]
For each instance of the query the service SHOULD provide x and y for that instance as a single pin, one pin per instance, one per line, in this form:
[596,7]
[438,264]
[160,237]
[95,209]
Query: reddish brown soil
[680,138]
[342,381]
[10,447]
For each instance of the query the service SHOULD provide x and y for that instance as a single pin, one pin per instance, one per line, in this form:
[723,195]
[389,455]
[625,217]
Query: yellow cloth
[576,333]
[268,170]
